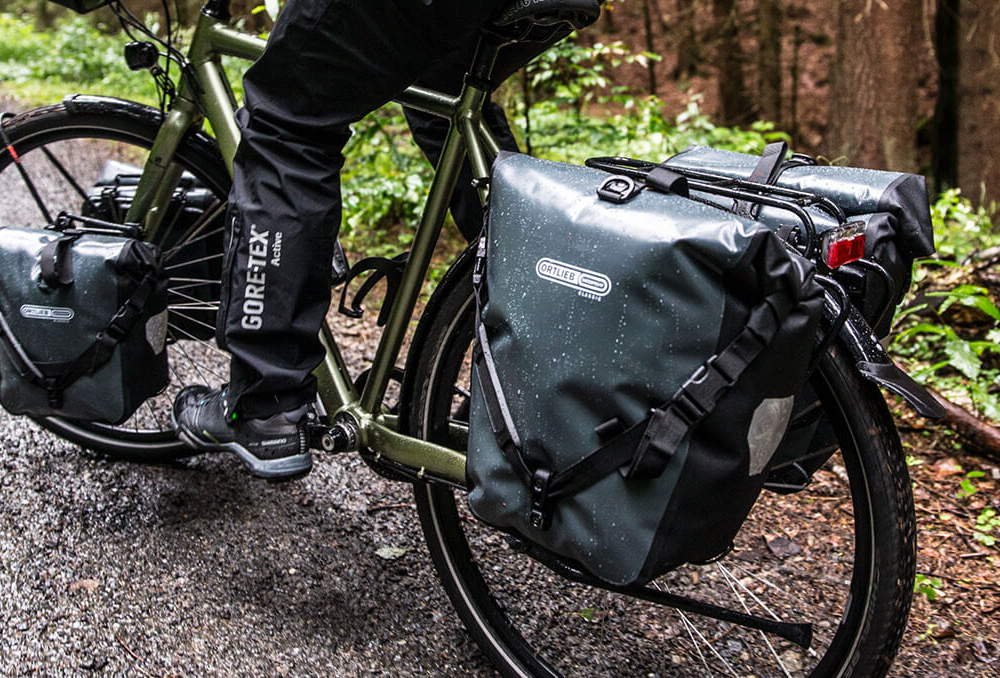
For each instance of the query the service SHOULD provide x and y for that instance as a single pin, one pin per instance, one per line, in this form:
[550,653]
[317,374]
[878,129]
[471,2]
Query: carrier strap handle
[56,262]
[766,172]
[56,378]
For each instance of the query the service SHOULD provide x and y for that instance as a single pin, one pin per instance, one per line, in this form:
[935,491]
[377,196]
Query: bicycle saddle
[517,19]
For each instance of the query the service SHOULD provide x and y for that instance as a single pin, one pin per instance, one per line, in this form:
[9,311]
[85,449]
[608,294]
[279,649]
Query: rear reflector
[844,245]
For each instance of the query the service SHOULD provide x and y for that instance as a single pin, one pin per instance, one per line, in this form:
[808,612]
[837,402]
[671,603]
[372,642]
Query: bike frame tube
[467,137]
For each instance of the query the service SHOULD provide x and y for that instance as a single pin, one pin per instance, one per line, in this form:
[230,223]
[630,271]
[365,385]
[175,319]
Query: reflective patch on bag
[767,428]
[156,332]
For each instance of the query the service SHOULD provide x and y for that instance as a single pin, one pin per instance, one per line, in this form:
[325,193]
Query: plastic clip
[540,518]
[54,393]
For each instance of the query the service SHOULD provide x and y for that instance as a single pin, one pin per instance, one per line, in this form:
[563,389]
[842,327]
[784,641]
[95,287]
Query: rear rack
[787,199]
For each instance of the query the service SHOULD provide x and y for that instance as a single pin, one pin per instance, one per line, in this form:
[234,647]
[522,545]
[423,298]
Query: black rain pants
[327,64]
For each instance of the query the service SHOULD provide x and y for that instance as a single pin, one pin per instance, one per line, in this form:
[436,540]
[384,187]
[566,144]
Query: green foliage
[574,75]
[959,359]
[960,228]
[927,586]
[78,57]
[384,184]
[967,486]
[386,177]
[74,54]
[987,523]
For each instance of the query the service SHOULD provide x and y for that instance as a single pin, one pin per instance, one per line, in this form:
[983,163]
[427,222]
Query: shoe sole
[283,468]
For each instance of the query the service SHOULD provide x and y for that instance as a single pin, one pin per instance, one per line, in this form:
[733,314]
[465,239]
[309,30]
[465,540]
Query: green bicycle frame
[467,137]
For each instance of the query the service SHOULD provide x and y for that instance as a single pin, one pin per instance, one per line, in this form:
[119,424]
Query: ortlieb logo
[53,313]
[590,284]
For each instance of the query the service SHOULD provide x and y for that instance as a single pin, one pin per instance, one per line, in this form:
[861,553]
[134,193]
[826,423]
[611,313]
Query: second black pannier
[83,323]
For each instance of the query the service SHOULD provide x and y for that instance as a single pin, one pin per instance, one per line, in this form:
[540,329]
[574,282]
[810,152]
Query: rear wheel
[83,159]
[839,554]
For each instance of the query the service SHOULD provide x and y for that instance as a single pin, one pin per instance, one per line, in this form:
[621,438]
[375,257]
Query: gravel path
[198,569]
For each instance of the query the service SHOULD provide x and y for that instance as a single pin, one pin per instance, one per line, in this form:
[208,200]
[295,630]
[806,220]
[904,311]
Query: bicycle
[855,522]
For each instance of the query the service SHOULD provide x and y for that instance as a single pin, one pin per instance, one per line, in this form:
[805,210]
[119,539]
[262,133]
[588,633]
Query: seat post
[481,71]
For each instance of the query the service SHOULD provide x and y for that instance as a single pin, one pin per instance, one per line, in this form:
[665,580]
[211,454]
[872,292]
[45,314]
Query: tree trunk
[648,6]
[686,36]
[982,437]
[43,15]
[944,161]
[873,109]
[735,105]
[979,89]
[769,60]
[797,43]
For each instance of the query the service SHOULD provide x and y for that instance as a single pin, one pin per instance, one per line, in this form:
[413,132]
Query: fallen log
[982,437]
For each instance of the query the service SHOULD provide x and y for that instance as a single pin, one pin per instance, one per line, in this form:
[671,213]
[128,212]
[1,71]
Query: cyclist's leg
[326,66]
[429,131]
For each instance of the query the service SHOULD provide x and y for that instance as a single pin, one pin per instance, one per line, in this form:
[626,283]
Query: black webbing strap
[56,261]
[501,422]
[56,378]
[766,172]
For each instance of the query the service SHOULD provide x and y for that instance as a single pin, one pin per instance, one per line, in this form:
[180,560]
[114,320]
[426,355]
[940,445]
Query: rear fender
[876,366]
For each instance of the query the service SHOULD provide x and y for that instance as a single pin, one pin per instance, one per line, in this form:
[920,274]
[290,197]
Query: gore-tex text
[253,297]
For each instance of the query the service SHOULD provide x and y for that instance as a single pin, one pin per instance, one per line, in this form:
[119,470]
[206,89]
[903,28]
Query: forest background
[910,85]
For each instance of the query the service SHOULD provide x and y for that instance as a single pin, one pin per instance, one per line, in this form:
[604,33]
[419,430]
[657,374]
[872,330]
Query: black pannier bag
[634,370]
[894,211]
[83,321]
[198,262]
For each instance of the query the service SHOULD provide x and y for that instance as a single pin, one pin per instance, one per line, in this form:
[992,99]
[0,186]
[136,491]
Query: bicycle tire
[119,129]
[866,631]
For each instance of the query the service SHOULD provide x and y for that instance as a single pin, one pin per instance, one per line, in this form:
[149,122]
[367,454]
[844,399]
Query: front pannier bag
[83,323]
[635,368]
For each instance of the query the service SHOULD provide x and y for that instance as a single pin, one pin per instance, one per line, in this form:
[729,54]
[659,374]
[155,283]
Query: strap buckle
[479,267]
[121,323]
[668,426]
[699,393]
[540,517]
[54,392]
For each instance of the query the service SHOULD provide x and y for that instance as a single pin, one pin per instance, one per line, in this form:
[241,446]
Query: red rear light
[844,245]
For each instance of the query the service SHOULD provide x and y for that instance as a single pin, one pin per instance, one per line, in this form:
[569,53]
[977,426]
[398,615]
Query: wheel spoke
[767,641]
[691,627]
[199,260]
[62,170]
[191,337]
[193,234]
[194,363]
